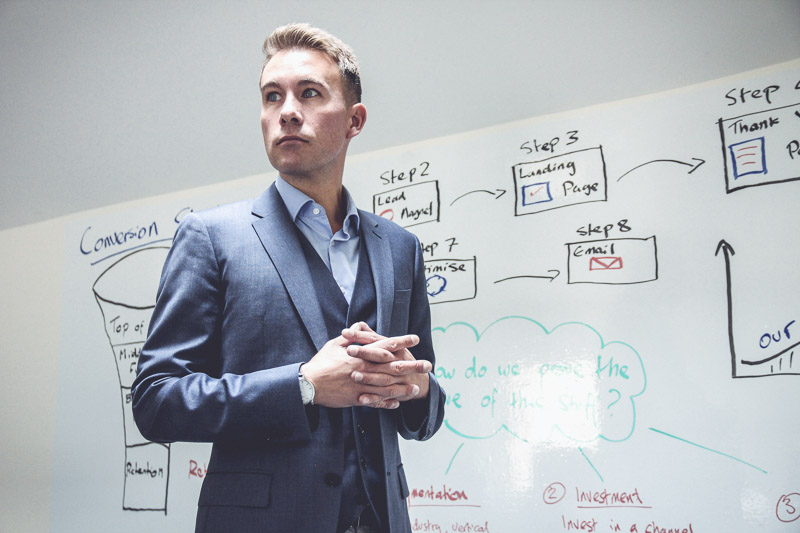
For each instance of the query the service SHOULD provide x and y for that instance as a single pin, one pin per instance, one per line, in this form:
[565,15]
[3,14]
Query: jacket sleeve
[420,419]
[179,393]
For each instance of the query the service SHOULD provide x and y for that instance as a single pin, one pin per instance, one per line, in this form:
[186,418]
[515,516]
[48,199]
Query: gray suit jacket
[235,317]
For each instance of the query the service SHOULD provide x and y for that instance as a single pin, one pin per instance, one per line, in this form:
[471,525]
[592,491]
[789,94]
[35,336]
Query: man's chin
[287,168]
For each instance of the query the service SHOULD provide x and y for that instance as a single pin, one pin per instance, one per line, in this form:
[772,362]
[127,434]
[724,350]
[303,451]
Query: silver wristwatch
[306,390]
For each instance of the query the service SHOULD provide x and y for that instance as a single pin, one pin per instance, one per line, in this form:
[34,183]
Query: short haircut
[302,35]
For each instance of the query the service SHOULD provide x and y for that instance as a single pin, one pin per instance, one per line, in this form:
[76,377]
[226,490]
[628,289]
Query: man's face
[305,119]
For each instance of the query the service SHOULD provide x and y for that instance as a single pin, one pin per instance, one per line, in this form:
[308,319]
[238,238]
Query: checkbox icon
[536,193]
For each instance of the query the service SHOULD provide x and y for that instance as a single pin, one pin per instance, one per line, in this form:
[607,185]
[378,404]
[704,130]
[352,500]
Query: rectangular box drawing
[450,280]
[748,157]
[612,261]
[410,205]
[605,263]
[536,193]
[757,147]
[568,179]
[146,477]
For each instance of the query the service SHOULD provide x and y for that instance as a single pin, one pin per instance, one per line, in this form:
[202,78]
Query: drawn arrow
[694,166]
[497,194]
[728,252]
[551,278]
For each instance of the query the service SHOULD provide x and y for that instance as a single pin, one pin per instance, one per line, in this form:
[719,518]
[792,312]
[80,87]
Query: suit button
[333,480]
[364,463]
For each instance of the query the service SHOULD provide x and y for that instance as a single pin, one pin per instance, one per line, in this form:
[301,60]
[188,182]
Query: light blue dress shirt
[339,251]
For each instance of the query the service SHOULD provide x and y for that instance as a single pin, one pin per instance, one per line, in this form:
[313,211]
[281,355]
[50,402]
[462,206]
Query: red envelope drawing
[605,263]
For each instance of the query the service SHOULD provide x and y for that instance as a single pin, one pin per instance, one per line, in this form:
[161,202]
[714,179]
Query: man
[249,347]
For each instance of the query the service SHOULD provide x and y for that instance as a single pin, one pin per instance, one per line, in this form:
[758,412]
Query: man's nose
[290,111]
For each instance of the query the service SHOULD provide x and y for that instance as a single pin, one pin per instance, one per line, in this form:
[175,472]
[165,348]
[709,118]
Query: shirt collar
[296,200]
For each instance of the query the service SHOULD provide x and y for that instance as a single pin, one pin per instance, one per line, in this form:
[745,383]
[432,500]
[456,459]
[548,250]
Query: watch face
[306,390]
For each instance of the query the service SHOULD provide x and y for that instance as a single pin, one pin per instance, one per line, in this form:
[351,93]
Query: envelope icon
[605,263]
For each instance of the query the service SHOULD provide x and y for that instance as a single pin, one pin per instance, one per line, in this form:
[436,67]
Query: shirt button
[316,211]
[342,289]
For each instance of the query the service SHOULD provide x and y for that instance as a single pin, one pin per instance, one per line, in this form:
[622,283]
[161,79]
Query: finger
[386,349]
[373,400]
[370,353]
[369,401]
[362,326]
[404,368]
[360,333]
[383,375]
[361,336]
[395,344]
[401,368]
[372,378]
[341,340]
[400,391]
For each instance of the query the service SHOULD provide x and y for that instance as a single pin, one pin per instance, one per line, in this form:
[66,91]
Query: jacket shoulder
[222,214]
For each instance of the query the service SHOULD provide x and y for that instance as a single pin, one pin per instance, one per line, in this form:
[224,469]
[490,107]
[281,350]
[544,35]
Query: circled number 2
[554,493]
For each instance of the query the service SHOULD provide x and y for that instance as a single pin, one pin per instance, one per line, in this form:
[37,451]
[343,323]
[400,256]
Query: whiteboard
[614,316]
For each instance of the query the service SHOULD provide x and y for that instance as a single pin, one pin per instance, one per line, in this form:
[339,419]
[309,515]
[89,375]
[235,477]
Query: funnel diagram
[126,292]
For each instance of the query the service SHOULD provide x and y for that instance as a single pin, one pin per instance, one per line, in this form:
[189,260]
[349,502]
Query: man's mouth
[290,138]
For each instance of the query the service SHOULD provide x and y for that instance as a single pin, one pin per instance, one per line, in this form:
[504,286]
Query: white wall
[30,315]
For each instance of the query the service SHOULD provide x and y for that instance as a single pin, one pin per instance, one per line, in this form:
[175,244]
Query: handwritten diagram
[125,292]
[451,280]
[597,293]
[613,261]
[517,383]
[514,378]
[777,356]
[559,181]
[761,148]
[409,205]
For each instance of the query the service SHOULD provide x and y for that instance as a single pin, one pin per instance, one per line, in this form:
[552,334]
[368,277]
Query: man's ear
[358,117]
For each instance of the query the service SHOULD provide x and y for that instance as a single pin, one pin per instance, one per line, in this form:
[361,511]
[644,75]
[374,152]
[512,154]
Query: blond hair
[302,35]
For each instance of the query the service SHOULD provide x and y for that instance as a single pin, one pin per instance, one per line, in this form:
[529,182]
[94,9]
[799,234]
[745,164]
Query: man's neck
[326,193]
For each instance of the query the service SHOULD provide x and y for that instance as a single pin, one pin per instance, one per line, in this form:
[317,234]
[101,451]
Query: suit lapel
[380,260]
[278,235]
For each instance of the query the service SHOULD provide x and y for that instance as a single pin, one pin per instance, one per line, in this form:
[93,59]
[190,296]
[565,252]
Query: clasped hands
[361,367]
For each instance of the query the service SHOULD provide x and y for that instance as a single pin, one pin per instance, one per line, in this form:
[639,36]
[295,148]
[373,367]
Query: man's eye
[272,97]
[310,93]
